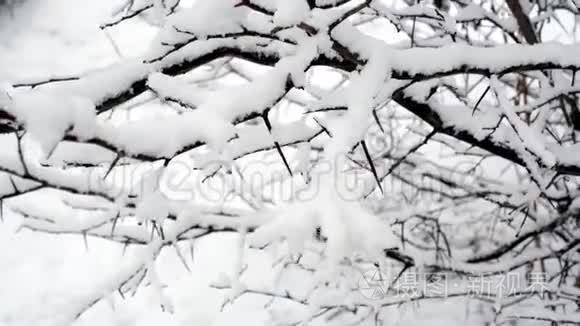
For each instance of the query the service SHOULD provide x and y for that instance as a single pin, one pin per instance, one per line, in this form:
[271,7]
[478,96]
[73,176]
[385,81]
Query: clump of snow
[302,158]
[48,115]
[204,18]
[102,84]
[223,281]
[174,88]
[363,87]
[531,138]
[84,117]
[154,205]
[291,12]
[143,136]
[216,112]
[161,8]
[341,222]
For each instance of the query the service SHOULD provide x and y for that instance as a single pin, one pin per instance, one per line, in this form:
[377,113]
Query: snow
[455,56]
[339,220]
[302,158]
[212,121]
[94,87]
[206,18]
[469,12]
[531,138]
[100,85]
[155,206]
[410,63]
[364,86]
[569,155]
[543,314]
[335,215]
[177,89]
[187,129]
[48,115]
[159,11]
[233,229]
[290,13]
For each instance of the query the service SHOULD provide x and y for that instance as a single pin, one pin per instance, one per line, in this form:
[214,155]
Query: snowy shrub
[429,141]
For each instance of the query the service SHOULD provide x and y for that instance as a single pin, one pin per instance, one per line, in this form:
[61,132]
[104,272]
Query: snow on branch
[413,138]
